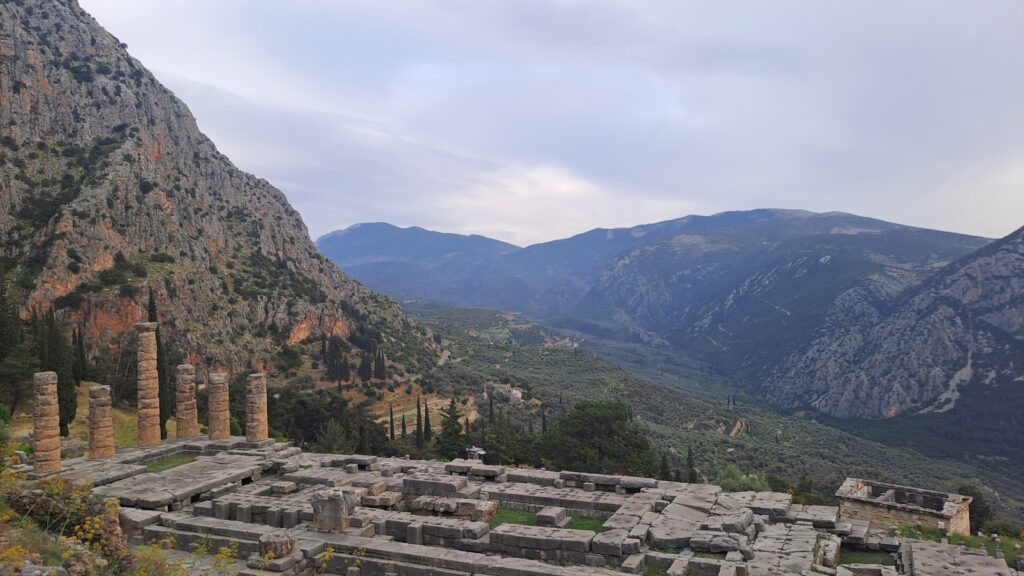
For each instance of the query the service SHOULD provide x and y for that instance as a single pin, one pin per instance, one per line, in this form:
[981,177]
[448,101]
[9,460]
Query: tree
[664,472]
[379,366]
[335,439]
[365,370]
[403,427]
[490,407]
[81,362]
[419,424]
[346,370]
[731,479]
[333,359]
[17,361]
[981,510]
[391,421]
[691,469]
[166,392]
[59,360]
[451,443]
[428,430]
[543,422]
[597,436]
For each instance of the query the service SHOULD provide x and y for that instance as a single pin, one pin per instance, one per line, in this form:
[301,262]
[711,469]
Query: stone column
[101,423]
[46,430]
[256,408]
[186,416]
[148,386]
[219,419]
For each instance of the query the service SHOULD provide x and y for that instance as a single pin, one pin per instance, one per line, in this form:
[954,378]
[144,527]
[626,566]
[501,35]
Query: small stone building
[884,505]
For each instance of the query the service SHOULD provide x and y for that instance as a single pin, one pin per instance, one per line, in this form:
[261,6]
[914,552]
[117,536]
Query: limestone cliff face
[108,189]
[957,338]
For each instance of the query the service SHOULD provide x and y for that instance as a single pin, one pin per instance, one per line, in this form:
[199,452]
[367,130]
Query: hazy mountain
[109,189]
[741,291]
[382,242]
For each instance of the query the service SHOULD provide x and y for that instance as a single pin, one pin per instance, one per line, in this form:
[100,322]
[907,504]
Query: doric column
[219,424]
[148,386]
[186,417]
[256,408]
[46,430]
[101,423]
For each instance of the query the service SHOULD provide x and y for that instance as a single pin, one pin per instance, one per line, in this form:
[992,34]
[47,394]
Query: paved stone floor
[391,516]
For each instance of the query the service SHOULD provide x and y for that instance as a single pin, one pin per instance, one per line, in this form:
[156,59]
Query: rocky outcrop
[108,189]
[962,329]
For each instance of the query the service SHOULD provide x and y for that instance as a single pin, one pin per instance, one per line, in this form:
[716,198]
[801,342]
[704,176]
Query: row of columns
[46,426]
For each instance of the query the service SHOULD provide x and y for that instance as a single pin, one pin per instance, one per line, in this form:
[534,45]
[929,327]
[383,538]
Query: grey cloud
[495,117]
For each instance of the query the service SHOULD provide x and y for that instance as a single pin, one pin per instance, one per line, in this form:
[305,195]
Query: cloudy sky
[529,120]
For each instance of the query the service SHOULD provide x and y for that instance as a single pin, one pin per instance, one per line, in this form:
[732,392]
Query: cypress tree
[345,374]
[490,407]
[391,421]
[83,362]
[332,360]
[379,367]
[365,370]
[403,427]
[544,422]
[428,431]
[59,360]
[691,470]
[419,424]
[450,442]
[664,473]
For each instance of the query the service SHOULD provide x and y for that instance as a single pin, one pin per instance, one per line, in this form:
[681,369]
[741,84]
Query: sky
[531,120]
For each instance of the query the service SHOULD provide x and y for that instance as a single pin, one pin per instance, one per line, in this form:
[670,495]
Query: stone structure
[148,385]
[332,510]
[256,429]
[101,423]
[294,513]
[186,416]
[46,431]
[219,418]
[884,505]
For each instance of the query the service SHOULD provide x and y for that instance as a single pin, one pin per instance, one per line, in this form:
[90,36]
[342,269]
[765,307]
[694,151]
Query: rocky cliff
[955,340]
[108,189]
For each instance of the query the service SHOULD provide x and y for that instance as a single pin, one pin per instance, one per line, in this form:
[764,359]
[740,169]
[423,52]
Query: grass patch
[585,523]
[506,516]
[164,464]
[865,557]
[651,570]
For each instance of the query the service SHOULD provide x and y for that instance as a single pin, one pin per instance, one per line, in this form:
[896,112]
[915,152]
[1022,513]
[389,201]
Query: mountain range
[108,190]
[846,316]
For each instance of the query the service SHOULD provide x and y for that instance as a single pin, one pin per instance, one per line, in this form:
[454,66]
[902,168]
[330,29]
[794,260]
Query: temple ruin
[294,513]
[883,505]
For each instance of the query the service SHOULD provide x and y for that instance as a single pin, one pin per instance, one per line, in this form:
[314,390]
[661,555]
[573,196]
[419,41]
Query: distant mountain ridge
[742,291]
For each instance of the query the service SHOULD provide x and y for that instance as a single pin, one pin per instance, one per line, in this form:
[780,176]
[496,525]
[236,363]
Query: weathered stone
[186,415]
[101,424]
[256,428]
[46,425]
[148,385]
[276,545]
[332,509]
[219,425]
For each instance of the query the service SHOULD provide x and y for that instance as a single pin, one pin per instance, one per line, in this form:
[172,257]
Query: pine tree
[428,430]
[59,360]
[450,442]
[403,427]
[419,424]
[166,393]
[391,421]
[691,470]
